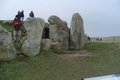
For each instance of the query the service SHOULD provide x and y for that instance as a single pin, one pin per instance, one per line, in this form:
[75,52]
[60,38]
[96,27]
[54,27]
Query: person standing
[22,15]
[31,14]
[17,23]
[88,38]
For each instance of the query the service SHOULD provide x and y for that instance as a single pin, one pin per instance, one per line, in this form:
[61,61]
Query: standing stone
[76,32]
[59,32]
[45,44]
[7,49]
[34,28]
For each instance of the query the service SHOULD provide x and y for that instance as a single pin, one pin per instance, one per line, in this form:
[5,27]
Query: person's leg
[19,35]
[13,36]
[16,36]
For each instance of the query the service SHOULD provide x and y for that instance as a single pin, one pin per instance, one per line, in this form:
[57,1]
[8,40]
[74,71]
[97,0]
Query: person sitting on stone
[17,23]
[31,14]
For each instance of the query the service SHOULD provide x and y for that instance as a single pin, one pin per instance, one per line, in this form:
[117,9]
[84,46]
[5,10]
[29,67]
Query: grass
[7,26]
[47,66]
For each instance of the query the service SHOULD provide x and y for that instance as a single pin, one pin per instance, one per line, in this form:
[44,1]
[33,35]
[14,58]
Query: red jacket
[17,24]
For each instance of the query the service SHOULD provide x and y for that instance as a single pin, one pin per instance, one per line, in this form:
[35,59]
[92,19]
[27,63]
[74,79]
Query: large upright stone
[76,32]
[59,31]
[34,28]
[7,49]
[45,44]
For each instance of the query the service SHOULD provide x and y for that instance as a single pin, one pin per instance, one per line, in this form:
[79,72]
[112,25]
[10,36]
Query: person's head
[16,17]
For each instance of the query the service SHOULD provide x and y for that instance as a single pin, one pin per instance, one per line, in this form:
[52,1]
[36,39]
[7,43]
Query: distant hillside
[7,24]
[109,39]
[6,21]
[112,39]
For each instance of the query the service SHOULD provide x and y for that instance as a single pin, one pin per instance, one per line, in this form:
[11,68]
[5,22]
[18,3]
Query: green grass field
[105,60]
[7,26]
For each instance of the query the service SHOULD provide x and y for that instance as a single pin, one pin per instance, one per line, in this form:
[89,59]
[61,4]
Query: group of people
[98,39]
[17,25]
[20,15]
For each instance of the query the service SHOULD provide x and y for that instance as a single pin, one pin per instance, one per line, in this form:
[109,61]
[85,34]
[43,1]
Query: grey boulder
[76,32]
[7,49]
[34,28]
[59,31]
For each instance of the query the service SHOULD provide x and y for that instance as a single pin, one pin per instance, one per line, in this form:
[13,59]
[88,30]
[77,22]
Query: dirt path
[73,56]
[76,53]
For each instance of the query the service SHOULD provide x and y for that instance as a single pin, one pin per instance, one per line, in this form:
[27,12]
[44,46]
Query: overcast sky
[101,17]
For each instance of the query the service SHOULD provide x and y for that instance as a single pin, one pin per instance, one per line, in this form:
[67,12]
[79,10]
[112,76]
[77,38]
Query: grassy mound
[7,26]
